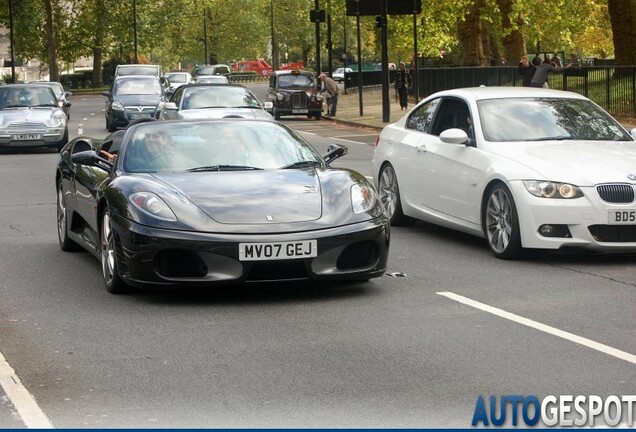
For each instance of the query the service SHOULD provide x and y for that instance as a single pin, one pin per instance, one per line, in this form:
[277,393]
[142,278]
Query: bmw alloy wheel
[501,225]
[390,197]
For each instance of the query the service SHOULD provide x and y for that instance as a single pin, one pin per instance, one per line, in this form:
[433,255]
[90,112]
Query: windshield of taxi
[545,119]
[215,145]
[295,81]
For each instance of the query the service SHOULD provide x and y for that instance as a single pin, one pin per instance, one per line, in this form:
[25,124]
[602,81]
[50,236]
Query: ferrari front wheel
[66,244]
[114,283]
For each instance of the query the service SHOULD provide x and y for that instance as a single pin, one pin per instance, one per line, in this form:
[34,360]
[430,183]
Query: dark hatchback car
[294,92]
[132,97]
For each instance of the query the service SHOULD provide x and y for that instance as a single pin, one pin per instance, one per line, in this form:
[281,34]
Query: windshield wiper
[247,106]
[44,105]
[301,164]
[223,168]
[553,138]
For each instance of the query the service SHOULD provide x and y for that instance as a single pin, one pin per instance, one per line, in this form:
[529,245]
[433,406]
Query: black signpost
[381,9]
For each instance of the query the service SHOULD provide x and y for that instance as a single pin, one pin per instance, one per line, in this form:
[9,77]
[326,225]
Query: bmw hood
[582,163]
[259,197]
[215,113]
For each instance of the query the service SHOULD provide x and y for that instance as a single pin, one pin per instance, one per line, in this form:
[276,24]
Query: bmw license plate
[299,111]
[27,136]
[621,217]
[278,251]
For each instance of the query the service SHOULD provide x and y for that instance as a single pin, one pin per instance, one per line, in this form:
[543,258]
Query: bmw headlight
[150,203]
[117,106]
[549,189]
[362,198]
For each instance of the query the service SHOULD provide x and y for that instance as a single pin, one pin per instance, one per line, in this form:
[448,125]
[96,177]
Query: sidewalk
[348,111]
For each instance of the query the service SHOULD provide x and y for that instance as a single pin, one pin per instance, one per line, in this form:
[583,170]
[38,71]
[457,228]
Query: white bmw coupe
[521,167]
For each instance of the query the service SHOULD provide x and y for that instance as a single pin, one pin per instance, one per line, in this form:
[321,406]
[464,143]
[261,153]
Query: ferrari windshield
[544,119]
[215,145]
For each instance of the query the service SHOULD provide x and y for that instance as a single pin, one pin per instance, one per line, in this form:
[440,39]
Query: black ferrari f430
[209,202]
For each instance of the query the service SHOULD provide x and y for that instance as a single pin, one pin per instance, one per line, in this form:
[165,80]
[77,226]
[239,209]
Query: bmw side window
[422,118]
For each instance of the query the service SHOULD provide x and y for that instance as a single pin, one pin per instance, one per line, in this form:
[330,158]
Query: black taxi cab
[294,92]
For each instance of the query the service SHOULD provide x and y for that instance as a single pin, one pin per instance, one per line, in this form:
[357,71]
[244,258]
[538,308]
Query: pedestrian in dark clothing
[526,71]
[403,84]
[540,78]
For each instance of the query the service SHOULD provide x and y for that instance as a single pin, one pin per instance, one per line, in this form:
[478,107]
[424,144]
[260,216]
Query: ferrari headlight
[362,198]
[548,189]
[150,203]
[117,106]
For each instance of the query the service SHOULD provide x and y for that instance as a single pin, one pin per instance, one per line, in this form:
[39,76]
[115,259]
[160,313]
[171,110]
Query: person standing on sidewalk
[332,88]
[402,85]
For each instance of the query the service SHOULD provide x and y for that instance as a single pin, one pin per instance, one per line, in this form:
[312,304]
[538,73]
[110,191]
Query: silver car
[201,101]
[31,116]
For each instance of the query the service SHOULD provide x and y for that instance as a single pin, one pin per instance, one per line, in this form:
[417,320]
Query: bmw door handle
[421,148]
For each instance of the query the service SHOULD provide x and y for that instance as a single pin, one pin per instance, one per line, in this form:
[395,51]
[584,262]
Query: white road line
[631,358]
[28,409]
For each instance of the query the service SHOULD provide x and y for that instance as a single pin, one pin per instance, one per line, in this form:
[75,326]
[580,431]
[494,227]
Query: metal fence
[612,87]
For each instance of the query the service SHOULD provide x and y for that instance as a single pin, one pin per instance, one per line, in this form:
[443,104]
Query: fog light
[555,231]
[546,230]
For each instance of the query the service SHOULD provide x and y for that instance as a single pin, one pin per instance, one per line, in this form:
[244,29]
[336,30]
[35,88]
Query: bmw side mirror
[454,136]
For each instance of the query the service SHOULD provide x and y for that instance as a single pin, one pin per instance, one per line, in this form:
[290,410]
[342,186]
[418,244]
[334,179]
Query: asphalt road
[407,350]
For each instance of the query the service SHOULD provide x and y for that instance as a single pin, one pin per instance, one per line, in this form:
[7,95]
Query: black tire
[114,283]
[66,244]
[389,192]
[276,115]
[318,116]
[500,222]
[109,126]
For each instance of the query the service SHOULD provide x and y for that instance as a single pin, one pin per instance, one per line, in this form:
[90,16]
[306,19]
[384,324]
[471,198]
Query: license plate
[278,251]
[621,217]
[27,136]
[139,115]
[300,111]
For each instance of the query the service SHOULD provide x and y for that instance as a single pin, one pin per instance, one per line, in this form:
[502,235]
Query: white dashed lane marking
[631,358]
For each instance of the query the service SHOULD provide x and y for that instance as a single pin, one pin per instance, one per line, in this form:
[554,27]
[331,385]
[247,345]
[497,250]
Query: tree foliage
[174,32]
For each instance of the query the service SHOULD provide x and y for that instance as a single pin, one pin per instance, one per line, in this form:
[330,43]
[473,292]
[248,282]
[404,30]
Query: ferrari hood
[603,161]
[214,113]
[252,197]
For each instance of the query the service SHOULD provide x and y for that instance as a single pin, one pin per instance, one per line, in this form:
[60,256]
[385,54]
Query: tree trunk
[98,77]
[623,18]
[514,43]
[54,72]
[469,34]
